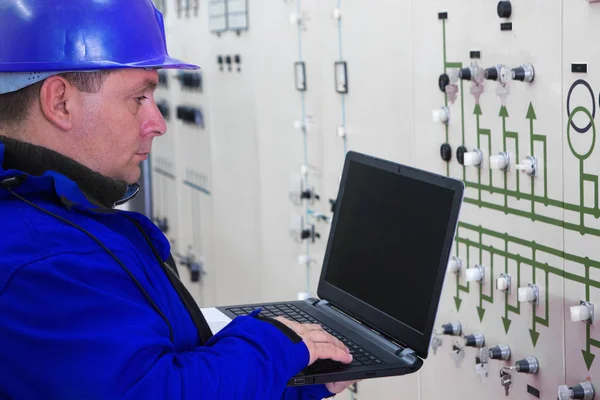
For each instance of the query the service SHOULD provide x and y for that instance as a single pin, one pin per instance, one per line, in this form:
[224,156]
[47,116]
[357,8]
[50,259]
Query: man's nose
[155,123]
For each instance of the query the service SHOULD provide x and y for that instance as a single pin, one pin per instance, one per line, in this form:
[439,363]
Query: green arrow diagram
[531,112]
[534,336]
[503,112]
[588,356]
[457,302]
[481,313]
[506,322]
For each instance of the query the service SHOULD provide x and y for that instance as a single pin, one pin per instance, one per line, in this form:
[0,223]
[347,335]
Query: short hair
[16,106]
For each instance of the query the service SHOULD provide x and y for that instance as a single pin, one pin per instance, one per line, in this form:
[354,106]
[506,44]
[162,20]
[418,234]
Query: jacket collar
[73,182]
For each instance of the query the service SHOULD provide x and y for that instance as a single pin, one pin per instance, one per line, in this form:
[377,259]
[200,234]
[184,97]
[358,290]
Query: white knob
[474,274]
[299,125]
[294,19]
[526,294]
[526,166]
[341,131]
[304,169]
[502,284]
[441,115]
[580,313]
[498,161]
[472,158]
[337,13]
[454,265]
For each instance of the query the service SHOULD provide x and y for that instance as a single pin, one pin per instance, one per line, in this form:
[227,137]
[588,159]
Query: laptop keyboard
[289,311]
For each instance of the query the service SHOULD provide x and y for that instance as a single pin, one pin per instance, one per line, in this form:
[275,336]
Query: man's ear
[57,101]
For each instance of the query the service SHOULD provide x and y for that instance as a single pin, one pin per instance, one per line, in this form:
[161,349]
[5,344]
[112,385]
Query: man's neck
[36,160]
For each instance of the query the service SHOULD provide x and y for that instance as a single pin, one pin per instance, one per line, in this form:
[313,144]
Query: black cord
[7,186]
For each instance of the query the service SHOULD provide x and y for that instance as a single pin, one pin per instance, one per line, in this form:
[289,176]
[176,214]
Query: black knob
[220,60]
[519,74]
[523,366]
[504,9]
[470,340]
[446,152]
[228,60]
[237,59]
[491,74]
[460,154]
[443,81]
[578,392]
[305,234]
[465,74]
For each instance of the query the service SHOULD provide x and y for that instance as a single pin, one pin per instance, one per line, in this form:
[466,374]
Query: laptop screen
[388,242]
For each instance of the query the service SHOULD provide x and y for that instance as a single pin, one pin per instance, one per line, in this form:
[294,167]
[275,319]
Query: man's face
[118,124]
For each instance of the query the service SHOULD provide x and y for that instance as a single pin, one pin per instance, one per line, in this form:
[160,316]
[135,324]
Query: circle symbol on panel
[581,155]
[570,115]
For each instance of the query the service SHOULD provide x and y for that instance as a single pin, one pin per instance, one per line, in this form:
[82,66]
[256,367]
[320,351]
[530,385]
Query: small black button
[504,9]
[446,152]
[443,81]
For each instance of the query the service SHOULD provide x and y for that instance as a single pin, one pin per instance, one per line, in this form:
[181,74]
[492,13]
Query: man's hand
[339,387]
[321,345]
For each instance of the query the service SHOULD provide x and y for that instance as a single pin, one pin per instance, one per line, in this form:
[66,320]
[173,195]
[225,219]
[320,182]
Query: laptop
[383,271]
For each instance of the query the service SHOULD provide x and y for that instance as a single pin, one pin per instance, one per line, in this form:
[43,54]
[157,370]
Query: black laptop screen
[389,241]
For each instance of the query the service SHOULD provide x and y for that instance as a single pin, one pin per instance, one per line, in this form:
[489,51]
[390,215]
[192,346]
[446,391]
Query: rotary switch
[446,152]
[504,9]
[475,340]
[529,365]
[493,73]
[583,391]
[501,352]
[523,73]
[452,329]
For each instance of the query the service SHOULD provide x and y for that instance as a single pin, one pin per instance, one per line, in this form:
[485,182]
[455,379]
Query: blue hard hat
[52,36]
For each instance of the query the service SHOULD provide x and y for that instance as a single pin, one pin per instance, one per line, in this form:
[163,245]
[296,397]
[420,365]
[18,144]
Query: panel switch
[475,340]
[584,391]
[500,352]
[476,274]
[474,158]
[452,329]
[583,312]
[530,294]
[529,365]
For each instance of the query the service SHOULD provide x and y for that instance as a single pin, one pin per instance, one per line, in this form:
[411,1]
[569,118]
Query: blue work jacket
[88,312]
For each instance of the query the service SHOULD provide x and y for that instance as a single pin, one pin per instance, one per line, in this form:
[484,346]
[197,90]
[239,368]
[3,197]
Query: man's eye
[140,99]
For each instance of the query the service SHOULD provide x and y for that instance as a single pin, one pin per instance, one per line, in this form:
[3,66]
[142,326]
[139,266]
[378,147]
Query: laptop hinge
[407,355]
[399,349]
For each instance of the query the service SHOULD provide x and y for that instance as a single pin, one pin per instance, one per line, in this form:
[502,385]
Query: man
[90,301]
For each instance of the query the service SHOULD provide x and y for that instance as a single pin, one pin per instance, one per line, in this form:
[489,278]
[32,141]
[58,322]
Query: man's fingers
[313,327]
[328,350]
[295,326]
[324,337]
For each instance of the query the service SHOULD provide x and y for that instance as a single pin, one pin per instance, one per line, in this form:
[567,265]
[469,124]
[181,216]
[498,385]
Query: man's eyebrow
[145,85]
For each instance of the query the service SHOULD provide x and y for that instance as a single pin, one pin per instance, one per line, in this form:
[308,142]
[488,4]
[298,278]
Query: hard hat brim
[162,63]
